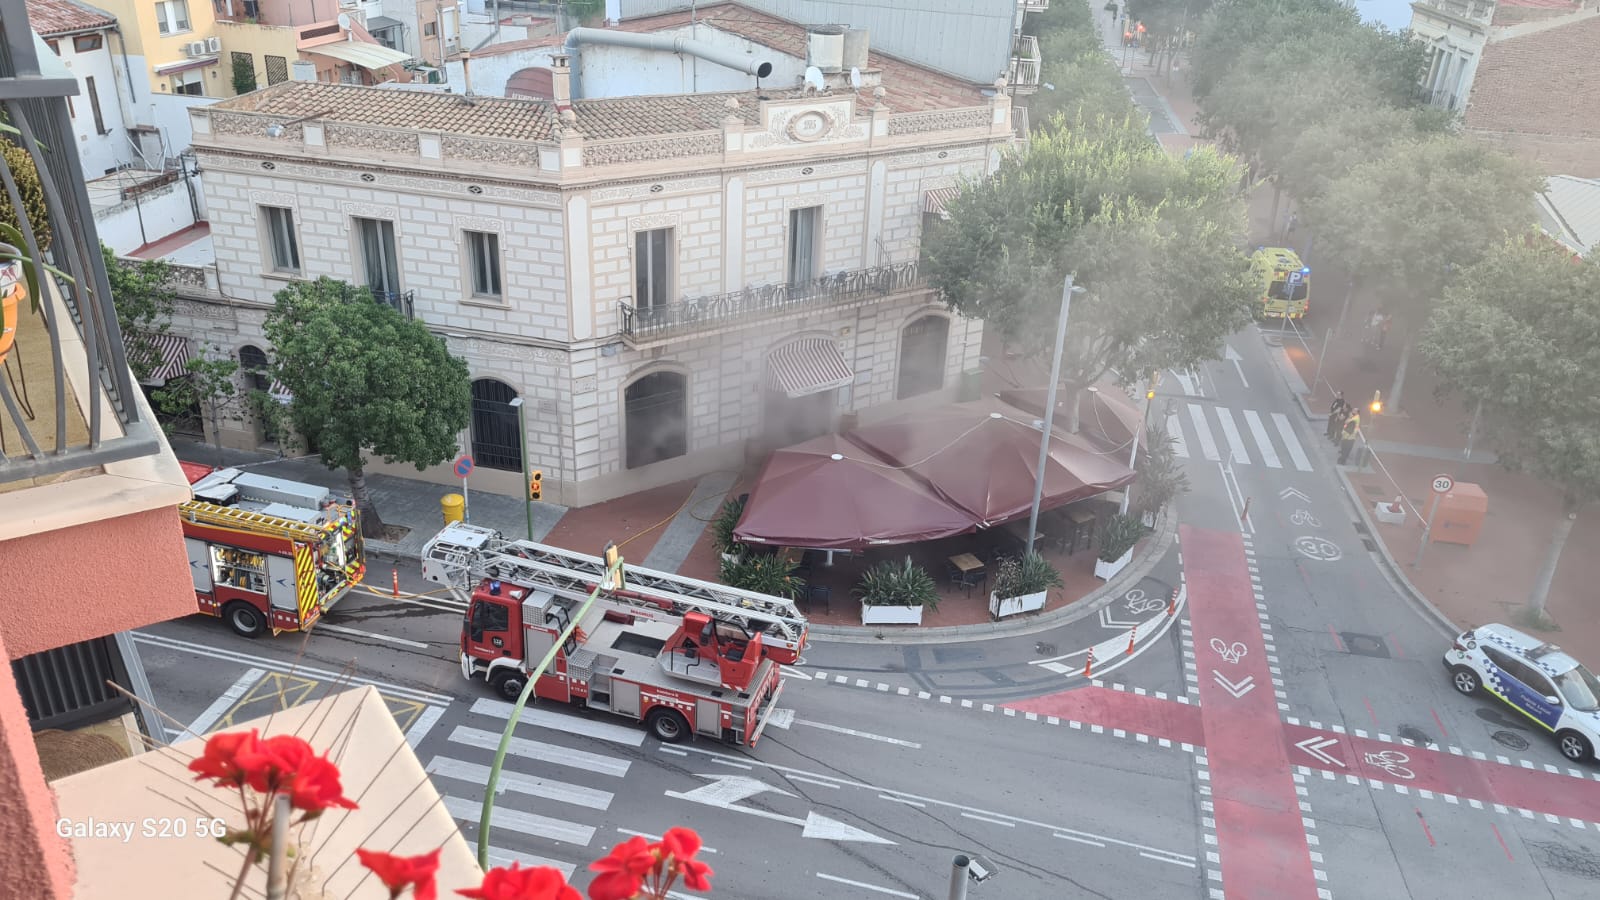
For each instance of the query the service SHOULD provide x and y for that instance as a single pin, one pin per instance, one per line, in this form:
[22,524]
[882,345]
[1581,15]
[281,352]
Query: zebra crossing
[1262,446]
[568,786]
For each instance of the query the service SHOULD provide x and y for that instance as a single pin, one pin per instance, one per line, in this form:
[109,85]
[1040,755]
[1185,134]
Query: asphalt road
[1287,732]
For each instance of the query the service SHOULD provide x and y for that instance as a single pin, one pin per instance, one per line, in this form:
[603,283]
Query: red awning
[830,494]
[1107,417]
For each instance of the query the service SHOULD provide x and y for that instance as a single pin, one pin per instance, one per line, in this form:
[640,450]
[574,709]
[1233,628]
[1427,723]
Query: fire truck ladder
[461,554]
[232,517]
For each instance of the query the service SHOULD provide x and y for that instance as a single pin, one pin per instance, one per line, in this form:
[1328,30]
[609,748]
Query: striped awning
[360,53]
[808,366]
[934,201]
[279,393]
[173,352]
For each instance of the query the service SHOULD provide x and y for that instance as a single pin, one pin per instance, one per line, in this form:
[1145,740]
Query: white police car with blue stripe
[1534,678]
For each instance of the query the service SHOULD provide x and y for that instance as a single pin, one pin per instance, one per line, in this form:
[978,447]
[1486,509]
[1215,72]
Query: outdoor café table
[1082,528]
[1019,531]
[967,564]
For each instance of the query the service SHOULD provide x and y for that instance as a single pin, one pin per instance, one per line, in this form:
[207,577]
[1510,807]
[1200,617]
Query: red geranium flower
[226,758]
[622,870]
[315,787]
[286,764]
[681,844]
[400,872]
[515,883]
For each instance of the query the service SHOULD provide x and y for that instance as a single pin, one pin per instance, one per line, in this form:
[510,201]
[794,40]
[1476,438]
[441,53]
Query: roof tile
[1546,82]
[53,17]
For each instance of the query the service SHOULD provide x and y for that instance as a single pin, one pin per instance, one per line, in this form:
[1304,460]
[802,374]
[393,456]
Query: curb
[1391,567]
[1085,606]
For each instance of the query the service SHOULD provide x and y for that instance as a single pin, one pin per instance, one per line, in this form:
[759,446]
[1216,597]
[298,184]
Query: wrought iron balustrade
[759,301]
[402,301]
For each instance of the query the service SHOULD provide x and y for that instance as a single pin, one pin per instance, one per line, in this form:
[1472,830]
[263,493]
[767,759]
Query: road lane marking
[1167,859]
[967,815]
[470,811]
[1296,453]
[1068,837]
[424,724]
[860,734]
[867,887]
[1175,431]
[1231,432]
[222,704]
[499,858]
[558,791]
[1263,441]
[893,799]
[656,837]
[340,629]
[571,724]
[1208,446]
[802,779]
[538,750]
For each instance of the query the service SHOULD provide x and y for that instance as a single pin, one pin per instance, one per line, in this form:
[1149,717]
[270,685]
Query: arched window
[656,410]
[253,363]
[922,354]
[496,443]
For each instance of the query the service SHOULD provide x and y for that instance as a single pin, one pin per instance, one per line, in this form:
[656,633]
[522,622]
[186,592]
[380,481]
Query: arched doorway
[923,345]
[496,443]
[656,418]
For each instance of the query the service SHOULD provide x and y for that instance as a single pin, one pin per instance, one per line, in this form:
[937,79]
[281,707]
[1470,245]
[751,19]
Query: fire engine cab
[267,553]
[681,655]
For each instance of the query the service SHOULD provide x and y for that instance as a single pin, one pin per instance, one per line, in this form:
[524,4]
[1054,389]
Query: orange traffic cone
[1172,605]
[1088,667]
[1131,633]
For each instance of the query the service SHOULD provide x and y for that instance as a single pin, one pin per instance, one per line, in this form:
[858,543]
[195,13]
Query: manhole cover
[1415,735]
[1510,739]
[1365,644]
[1044,649]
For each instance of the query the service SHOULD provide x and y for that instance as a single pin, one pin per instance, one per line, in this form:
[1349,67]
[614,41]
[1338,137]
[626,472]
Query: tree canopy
[1084,85]
[365,380]
[143,299]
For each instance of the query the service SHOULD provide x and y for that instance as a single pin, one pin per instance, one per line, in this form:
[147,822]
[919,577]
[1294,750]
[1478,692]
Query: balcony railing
[759,302]
[1444,99]
[1034,5]
[1025,64]
[402,301]
[66,395]
[1478,12]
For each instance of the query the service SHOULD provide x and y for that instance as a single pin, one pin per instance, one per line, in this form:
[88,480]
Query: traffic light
[1377,402]
[536,485]
[613,557]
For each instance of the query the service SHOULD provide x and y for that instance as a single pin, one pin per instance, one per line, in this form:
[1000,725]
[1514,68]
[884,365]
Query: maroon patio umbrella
[1106,416]
[983,457]
[831,494]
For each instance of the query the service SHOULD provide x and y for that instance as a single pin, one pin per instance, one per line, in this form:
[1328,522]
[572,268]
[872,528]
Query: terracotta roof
[508,117]
[52,17]
[1546,82]
[908,87]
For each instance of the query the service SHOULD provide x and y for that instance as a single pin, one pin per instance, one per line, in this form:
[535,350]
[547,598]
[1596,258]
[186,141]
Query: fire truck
[1285,283]
[266,553]
[683,656]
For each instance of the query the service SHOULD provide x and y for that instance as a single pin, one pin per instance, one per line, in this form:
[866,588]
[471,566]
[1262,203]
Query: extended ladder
[462,554]
[203,513]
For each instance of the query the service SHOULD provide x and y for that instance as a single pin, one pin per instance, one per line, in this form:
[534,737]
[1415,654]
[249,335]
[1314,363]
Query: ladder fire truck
[267,553]
[681,655]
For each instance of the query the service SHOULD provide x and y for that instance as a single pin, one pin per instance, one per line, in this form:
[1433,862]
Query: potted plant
[1022,585]
[763,573]
[722,529]
[895,593]
[1161,478]
[1117,538]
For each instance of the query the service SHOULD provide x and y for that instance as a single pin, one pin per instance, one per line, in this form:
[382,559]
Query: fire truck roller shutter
[282,591]
[199,563]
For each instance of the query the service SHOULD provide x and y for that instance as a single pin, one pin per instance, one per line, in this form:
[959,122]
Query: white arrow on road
[1107,621]
[726,790]
[1244,686]
[1232,355]
[1315,745]
[1288,492]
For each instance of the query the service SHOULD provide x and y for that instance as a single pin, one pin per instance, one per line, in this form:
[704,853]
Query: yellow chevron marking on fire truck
[305,579]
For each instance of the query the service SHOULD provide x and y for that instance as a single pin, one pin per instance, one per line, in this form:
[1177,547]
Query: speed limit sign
[1442,484]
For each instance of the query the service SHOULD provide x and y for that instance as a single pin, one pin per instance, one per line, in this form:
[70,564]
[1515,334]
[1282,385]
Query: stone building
[672,282]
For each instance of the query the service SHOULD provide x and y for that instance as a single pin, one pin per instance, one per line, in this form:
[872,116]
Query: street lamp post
[1067,290]
[1133,455]
[522,442]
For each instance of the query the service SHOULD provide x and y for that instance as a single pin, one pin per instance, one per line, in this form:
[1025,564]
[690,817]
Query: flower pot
[1000,607]
[1105,571]
[891,615]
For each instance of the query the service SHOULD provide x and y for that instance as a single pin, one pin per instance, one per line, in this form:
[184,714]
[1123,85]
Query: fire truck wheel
[508,684]
[244,619]
[668,725]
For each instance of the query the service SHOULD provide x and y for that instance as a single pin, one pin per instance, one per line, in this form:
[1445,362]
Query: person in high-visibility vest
[1347,438]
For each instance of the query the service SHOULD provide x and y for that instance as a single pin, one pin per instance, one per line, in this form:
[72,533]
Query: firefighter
[1336,416]
[1347,438]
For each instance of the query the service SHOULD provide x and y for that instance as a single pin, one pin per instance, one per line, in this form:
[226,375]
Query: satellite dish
[344,22]
[855,78]
[813,79]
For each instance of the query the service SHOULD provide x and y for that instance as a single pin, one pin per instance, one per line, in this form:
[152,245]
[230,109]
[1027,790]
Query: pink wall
[35,862]
[295,12]
[65,586]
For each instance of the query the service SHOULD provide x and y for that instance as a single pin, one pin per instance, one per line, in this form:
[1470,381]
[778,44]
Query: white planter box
[1389,513]
[891,615]
[1000,607]
[1105,571]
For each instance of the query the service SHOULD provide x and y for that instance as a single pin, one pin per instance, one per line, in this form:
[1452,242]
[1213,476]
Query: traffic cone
[1172,604]
[1088,667]
[1132,632]
[396,574]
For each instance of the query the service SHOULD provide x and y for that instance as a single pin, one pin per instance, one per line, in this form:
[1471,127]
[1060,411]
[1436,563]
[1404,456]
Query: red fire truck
[681,655]
[267,553]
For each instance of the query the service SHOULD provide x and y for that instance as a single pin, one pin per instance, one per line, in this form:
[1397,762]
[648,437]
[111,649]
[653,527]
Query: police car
[1536,679]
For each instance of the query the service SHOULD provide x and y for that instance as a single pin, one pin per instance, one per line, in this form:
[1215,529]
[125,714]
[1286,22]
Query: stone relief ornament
[380,139]
[708,144]
[505,153]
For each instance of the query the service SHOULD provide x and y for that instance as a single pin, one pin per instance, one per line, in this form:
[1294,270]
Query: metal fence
[403,301]
[54,422]
[696,313]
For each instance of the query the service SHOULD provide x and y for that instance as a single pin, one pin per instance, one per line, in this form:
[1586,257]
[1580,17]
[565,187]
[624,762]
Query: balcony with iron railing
[1025,65]
[404,302]
[1475,12]
[1034,5]
[758,304]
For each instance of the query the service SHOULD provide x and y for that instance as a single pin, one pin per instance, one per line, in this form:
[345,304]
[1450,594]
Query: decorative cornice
[649,149]
[660,220]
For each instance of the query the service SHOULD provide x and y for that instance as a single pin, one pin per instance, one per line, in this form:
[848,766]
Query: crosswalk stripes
[1260,445]
[527,823]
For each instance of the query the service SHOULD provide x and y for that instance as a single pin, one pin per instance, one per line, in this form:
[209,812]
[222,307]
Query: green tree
[244,73]
[1516,332]
[1153,239]
[365,380]
[1408,219]
[20,164]
[1084,85]
[144,299]
[209,384]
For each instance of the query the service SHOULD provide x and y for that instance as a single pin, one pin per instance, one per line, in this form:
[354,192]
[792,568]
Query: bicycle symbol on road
[1390,761]
[1139,602]
[1318,548]
[1303,517]
[1229,653]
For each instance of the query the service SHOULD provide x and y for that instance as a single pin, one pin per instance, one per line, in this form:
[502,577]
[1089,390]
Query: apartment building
[174,43]
[669,281]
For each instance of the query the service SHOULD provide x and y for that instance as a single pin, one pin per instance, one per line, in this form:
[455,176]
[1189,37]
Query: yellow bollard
[452,507]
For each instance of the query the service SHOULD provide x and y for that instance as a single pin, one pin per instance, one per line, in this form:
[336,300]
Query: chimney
[466,71]
[560,81]
[303,70]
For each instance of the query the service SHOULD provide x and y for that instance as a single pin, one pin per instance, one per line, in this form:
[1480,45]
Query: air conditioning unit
[213,45]
[194,48]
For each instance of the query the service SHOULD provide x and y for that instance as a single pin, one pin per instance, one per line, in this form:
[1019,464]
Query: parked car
[1534,678]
